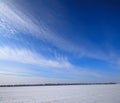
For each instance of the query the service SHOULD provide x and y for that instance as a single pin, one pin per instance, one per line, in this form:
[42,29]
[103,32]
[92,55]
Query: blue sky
[59,41]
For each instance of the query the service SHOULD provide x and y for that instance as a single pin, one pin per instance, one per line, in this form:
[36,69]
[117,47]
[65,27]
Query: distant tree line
[55,84]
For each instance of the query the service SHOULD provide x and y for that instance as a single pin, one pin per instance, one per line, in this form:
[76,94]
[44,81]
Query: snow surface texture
[61,94]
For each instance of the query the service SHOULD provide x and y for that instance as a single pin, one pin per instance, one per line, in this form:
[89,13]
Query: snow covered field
[61,94]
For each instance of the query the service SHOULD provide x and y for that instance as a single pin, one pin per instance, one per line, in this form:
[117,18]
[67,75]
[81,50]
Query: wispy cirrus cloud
[25,56]
[13,21]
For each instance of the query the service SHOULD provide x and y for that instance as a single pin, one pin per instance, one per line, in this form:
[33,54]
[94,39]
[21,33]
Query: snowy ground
[61,94]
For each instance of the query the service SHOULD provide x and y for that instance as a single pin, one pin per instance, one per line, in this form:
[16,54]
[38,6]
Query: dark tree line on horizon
[55,84]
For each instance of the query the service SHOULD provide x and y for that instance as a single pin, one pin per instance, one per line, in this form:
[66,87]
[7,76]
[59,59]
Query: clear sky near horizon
[59,41]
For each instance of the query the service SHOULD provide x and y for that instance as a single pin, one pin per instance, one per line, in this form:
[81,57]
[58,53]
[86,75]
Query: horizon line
[55,84]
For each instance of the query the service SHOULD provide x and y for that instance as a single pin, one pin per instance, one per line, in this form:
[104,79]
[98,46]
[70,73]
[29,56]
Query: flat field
[61,94]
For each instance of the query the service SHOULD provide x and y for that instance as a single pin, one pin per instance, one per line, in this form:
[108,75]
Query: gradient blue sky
[59,41]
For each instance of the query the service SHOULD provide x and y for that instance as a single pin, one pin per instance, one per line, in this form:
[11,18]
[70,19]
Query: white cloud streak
[13,20]
[27,57]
